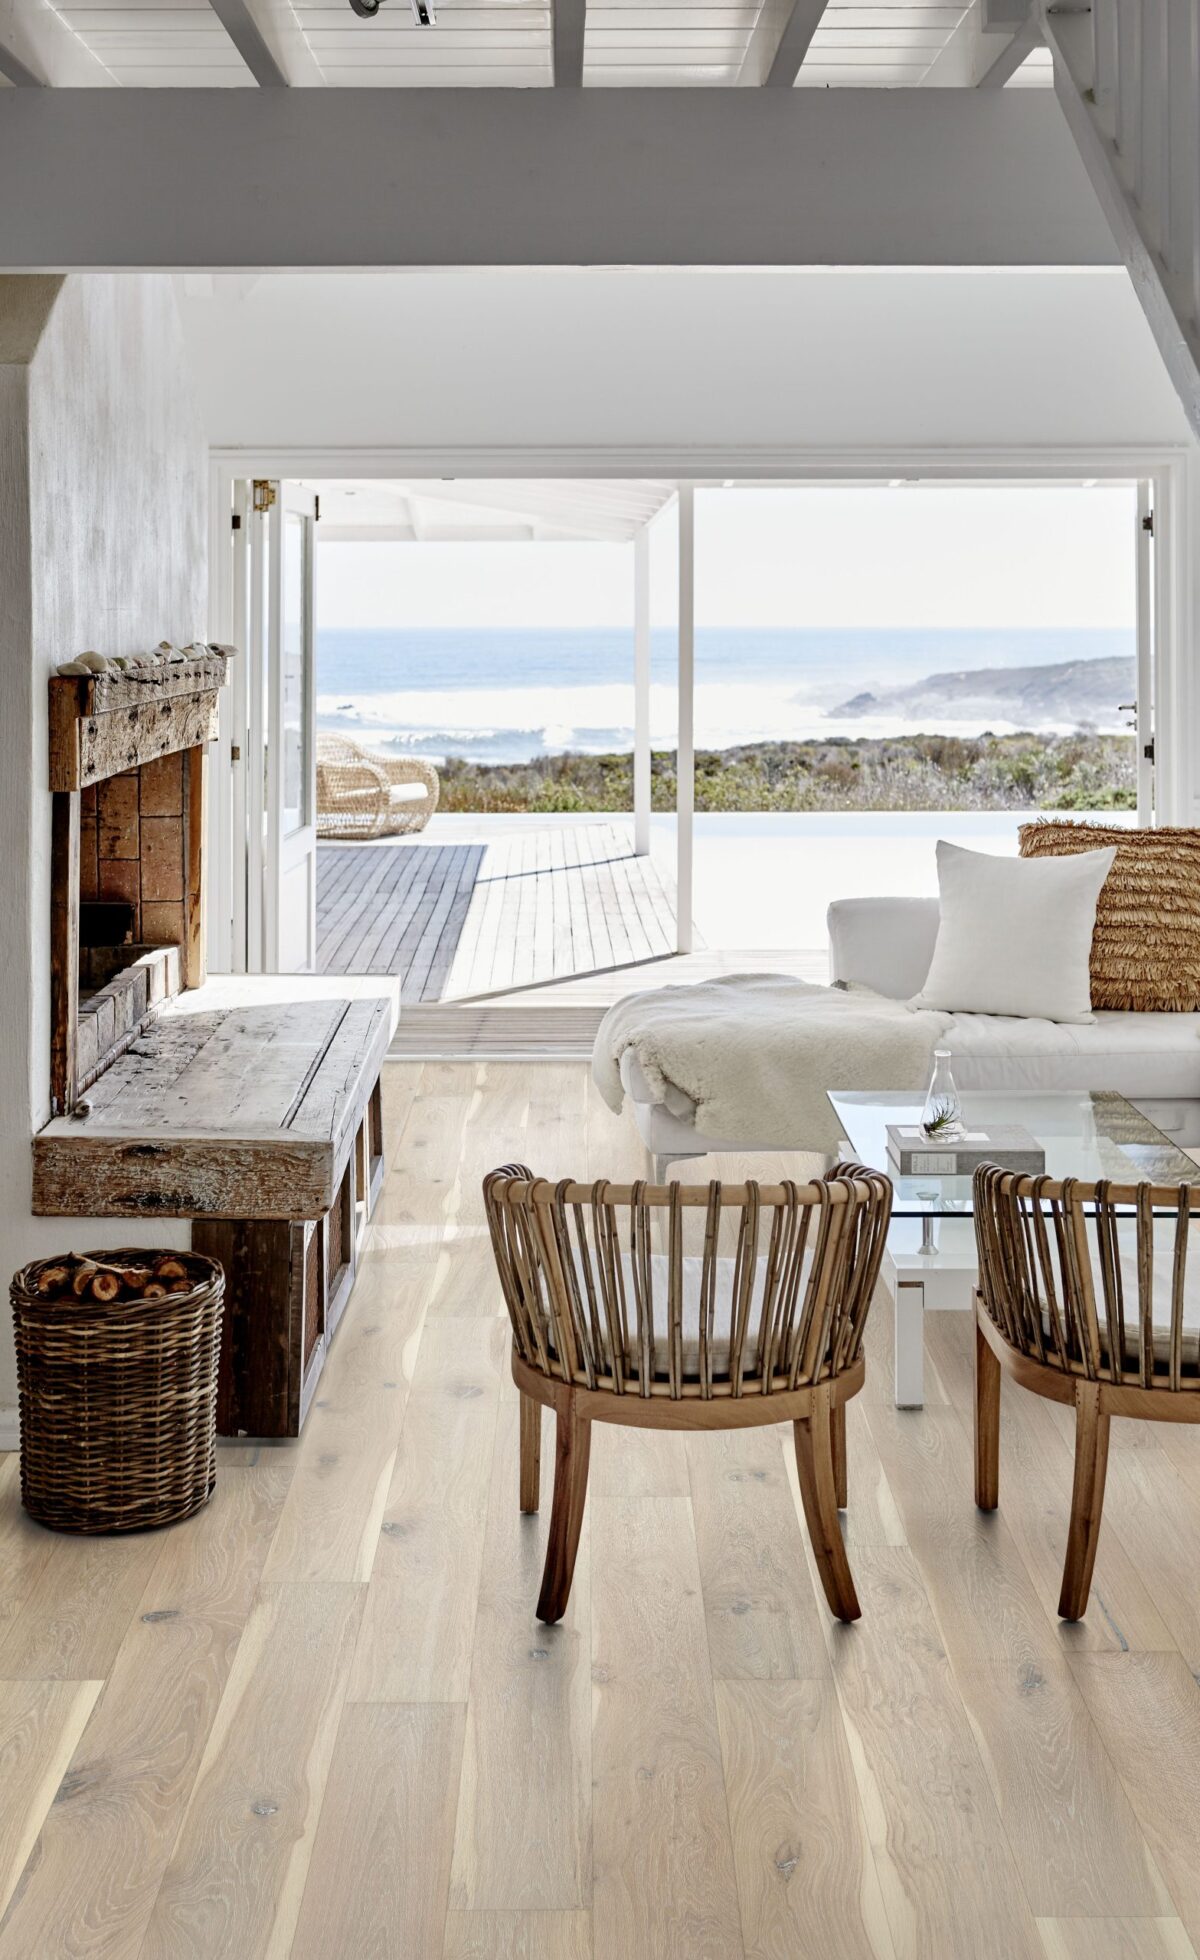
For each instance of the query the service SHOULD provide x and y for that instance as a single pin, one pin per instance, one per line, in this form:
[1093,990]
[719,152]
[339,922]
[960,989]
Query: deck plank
[524,908]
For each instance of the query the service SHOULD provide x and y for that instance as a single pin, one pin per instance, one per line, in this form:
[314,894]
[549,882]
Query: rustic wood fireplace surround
[247,1104]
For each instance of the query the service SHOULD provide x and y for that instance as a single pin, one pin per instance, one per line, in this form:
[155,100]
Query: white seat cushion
[1164,1242]
[1135,1055]
[722,1313]
[407,793]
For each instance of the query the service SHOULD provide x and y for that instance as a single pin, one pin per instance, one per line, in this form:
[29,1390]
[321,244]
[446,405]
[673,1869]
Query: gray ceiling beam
[15,71]
[1012,55]
[776,49]
[247,37]
[569,22]
[245,180]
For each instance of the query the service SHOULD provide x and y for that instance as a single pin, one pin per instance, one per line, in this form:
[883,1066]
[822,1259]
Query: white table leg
[909,1296]
[930,1267]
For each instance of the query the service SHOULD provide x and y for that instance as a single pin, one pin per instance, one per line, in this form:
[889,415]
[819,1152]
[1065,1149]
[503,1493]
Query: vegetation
[912,772]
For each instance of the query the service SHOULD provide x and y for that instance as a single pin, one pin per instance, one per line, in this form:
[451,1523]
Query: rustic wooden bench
[252,1106]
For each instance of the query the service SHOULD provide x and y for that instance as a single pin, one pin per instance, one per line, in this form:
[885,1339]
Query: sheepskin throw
[1146,946]
[756,1053]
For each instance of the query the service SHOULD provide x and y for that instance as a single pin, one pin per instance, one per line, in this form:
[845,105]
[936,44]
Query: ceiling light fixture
[423,12]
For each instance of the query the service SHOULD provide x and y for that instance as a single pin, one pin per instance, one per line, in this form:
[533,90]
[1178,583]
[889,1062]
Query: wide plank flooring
[458,920]
[321,1718]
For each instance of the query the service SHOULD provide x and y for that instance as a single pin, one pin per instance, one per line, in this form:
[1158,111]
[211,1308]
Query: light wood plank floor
[456,920]
[321,1719]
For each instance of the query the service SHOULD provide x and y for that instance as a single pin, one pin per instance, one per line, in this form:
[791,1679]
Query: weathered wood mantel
[108,732]
[250,1105]
[103,724]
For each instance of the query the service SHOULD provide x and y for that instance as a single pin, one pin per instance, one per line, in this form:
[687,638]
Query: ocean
[512,694]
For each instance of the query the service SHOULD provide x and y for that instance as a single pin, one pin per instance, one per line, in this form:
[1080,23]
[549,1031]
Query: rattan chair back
[684,1291]
[1093,1279]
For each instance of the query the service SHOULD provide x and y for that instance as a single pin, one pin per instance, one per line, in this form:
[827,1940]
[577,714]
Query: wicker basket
[118,1400]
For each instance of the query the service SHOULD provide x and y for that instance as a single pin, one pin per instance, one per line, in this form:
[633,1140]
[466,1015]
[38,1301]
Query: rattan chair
[363,796]
[1084,1296]
[688,1307]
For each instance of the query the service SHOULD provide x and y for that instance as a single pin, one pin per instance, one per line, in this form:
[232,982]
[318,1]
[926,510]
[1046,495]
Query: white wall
[609,358]
[103,536]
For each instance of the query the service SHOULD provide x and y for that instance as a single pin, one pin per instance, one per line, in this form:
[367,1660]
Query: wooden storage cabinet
[256,1112]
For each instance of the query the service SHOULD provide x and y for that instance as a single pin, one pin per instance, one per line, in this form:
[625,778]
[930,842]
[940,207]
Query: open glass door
[274,797]
[290,832]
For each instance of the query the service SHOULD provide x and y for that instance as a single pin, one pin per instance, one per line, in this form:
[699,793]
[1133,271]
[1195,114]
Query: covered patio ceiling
[517,44]
[462,510]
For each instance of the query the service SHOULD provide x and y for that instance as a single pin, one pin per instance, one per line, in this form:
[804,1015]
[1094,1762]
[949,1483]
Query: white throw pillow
[1015,934]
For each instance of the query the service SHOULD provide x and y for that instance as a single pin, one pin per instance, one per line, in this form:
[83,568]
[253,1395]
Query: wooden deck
[454,920]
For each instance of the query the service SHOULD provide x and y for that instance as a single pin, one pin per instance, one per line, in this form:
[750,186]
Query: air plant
[940,1119]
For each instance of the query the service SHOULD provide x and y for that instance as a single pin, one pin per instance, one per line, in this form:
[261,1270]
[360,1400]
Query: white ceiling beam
[569,23]
[1003,66]
[779,43]
[38,50]
[245,180]
[248,38]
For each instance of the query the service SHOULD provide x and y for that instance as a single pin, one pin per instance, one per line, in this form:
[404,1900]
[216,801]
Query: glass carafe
[941,1118]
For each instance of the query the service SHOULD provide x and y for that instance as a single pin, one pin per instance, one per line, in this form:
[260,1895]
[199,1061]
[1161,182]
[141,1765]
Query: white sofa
[887,944]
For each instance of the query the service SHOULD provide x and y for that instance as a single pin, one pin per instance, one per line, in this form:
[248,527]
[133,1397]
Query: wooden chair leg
[531,1453]
[818,1488]
[840,1474]
[573,1447]
[1087,1500]
[987,1424]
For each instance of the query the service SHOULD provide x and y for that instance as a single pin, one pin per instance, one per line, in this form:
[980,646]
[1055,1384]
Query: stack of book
[912,1154]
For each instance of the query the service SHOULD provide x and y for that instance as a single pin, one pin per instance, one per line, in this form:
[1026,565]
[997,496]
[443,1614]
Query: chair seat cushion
[407,793]
[1164,1238]
[1136,1055]
[720,1340]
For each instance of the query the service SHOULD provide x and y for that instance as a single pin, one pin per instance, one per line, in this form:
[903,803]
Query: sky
[909,556]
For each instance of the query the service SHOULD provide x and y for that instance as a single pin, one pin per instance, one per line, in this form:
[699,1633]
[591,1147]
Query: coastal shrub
[1083,771]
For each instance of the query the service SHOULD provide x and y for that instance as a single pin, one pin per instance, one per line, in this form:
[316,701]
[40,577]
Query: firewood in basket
[170,1268]
[155,1291]
[180,1286]
[82,1281]
[105,1285]
[136,1278]
[53,1279]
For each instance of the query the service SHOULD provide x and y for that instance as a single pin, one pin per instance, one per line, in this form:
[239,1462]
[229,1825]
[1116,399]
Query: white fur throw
[756,1053]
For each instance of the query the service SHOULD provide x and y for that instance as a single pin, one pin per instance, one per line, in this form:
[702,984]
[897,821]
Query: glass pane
[293,677]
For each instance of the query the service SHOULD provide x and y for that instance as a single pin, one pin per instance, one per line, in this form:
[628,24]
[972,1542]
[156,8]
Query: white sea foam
[512,723]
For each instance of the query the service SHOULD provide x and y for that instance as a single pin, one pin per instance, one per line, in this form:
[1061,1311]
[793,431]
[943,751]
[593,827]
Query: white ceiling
[462,509]
[502,43]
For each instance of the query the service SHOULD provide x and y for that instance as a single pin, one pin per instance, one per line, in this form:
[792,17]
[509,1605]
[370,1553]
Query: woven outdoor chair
[1085,1296]
[361,795]
[688,1307]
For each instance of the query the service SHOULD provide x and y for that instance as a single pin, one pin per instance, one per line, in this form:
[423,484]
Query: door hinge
[1148,523]
[237,520]
[264,494]
[1148,750]
[317,509]
[235,751]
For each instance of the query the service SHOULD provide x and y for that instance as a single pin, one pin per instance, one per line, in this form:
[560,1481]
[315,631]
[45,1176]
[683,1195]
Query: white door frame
[1172,471]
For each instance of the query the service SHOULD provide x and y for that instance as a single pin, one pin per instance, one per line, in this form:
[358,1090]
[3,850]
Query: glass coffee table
[930,1261]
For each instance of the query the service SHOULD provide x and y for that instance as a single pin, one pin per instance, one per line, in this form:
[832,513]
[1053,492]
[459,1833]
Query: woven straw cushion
[1146,946]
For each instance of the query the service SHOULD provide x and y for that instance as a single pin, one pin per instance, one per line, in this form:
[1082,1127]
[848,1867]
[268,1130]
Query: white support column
[685,785]
[641,691]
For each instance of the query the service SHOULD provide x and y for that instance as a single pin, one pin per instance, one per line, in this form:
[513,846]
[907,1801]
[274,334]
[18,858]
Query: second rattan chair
[688,1307]
[1085,1296]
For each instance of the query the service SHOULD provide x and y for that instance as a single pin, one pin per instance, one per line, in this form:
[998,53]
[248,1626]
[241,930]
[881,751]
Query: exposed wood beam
[38,50]
[569,19]
[247,37]
[1178,338]
[328,178]
[14,70]
[1003,66]
[781,38]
